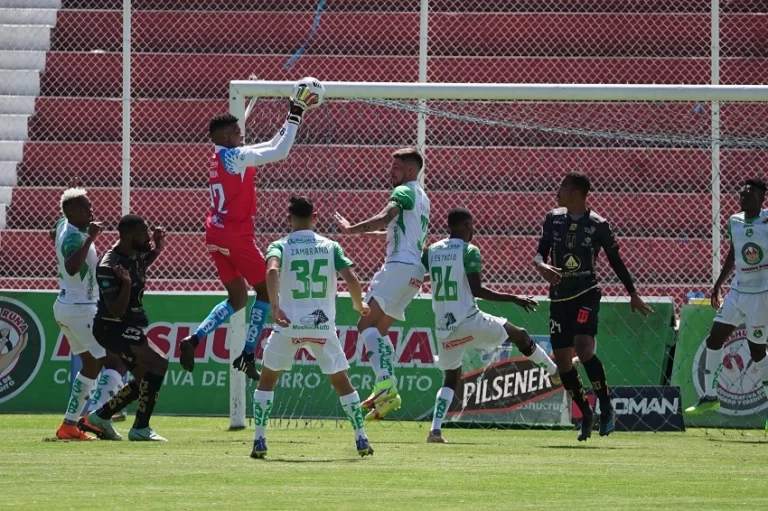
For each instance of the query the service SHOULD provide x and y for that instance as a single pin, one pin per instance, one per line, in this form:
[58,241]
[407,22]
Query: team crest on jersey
[749,232]
[447,321]
[22,346]
[316,318]
[752,253]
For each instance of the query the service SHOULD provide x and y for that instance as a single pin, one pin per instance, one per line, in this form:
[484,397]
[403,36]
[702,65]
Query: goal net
[666,164]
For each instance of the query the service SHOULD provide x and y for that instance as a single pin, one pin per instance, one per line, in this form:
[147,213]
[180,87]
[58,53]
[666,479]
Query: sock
[262,407]
[127,394]
[381,352]
[541,359]
[149,390]
[574,386]
[596,373]
[217,316]
[78,398]
[109,383]
[259,312]
[351,405]
[443,401]
[712,366]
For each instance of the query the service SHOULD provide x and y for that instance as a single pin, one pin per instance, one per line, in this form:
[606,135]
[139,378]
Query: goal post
[666,162]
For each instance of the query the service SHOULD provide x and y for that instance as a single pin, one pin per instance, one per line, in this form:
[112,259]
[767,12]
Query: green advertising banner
[740,385]
[35,357]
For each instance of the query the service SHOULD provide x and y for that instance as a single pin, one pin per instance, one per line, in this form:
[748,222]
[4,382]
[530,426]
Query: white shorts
[76,321]
[394,286]
[280,352]
[481,331]
[750,310]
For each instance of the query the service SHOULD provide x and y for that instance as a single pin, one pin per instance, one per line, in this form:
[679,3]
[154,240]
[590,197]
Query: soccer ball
[310,92]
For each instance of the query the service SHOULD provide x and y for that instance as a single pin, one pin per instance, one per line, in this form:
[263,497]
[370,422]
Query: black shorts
[118,337]
[577,316]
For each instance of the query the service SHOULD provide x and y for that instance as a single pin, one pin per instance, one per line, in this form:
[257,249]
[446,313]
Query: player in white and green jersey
[75,308]
[455,269]
[406,219]
[301,281]
[747,301]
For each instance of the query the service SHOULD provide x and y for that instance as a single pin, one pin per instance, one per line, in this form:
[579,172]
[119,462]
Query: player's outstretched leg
[532,351]
[155,365]
[262,406]
[385,397]
[442,403]
[81,391]
[350,402]
[99,422]
[713,364]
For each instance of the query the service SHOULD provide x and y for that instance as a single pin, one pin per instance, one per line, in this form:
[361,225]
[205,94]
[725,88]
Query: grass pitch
[206,467]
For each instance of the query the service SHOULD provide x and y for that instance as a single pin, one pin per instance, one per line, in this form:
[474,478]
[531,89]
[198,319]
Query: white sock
[443,401]
[110,382]
[351,405]
[81,392]
[712,364]
[262,407]
[381,352]
[541,359]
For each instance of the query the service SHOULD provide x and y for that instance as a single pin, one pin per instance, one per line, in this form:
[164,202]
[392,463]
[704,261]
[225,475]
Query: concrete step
[19,82]
[8,175]
[25,37]
[43,17]
[17,105]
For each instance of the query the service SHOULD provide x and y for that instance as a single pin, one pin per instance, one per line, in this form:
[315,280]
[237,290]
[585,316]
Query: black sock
[574,386]
[127,394]
[596,373]
[149,389]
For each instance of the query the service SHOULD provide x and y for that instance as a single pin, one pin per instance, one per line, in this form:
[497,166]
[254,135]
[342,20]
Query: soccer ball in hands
[309,93]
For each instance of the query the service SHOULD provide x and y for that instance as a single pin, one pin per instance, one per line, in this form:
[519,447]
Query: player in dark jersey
[574,234]
[118,327]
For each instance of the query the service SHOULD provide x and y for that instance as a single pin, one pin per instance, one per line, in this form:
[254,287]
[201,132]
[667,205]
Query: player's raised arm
[158,236]
[307,94]
[611,246]
[375,223]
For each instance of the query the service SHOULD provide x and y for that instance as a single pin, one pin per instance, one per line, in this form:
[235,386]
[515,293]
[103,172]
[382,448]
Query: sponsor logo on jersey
[752,253]
[315,318]
[448,345]
[572,262]
[311,340]
[739,382]
[22,346]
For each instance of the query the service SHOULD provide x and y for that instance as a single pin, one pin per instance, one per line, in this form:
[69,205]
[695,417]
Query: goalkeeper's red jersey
[232,184]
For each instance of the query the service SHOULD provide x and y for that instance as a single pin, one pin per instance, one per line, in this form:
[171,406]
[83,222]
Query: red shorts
[236,256]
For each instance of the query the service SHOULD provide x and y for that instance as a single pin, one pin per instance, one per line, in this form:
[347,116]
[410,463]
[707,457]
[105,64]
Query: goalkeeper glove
[295,112]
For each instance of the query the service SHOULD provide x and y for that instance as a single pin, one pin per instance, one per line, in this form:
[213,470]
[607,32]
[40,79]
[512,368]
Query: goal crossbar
[511,92]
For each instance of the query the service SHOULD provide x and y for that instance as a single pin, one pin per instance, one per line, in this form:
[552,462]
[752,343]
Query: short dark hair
[130,223]
[410,154]
[756,183]
[221,121]
[301,207]
[458,216]
[579,181]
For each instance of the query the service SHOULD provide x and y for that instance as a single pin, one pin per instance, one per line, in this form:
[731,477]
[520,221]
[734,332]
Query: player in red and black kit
[574,234]
[229,227]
